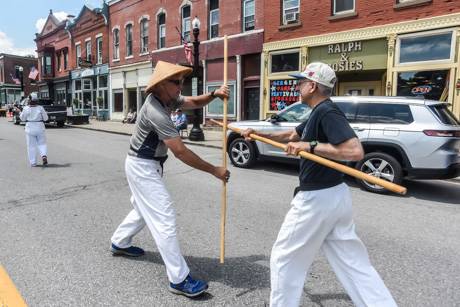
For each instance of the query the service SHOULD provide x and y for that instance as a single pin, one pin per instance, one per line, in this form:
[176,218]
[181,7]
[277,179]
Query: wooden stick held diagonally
[223,212]
[334,165]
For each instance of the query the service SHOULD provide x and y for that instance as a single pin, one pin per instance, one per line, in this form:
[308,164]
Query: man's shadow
[54,165]
[248,273]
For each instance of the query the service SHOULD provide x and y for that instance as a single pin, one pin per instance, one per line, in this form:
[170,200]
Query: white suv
[401,136]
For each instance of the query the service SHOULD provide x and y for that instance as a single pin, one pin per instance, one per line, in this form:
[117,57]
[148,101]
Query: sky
[21,19]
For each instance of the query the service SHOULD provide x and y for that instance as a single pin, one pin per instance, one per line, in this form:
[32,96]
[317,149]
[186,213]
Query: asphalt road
[56,223]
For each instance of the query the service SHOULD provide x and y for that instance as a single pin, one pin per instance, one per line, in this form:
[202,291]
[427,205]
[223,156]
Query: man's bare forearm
[282,137]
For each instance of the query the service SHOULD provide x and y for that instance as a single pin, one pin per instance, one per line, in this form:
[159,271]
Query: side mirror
[275,118]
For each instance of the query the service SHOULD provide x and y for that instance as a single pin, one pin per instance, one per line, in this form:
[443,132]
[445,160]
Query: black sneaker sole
[116,252]
[178,292]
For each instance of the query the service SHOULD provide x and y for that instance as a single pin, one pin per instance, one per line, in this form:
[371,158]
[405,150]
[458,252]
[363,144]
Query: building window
[213,18]
[88,51]
[186,23]
[46,64]
[99,50]
[78,55]
[343,6]
[66,59]
[290,11]
[426,47]
[285,62]
[249,12]
[144,35]
[161,30]
[116,44]
[58,61]
[129,40]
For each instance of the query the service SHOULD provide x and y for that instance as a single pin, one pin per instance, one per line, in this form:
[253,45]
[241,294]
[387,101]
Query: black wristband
[213,95]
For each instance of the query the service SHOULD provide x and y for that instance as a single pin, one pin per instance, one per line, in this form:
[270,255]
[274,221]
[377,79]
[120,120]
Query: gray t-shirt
[153,125]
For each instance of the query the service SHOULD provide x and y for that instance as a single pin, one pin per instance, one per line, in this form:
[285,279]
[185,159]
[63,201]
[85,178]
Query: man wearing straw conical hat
[154,134]
[321,212]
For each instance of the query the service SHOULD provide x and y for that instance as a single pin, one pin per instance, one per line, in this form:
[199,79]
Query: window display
[427,84]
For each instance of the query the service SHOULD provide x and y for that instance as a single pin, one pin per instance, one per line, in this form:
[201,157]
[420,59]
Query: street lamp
[196,134]
[21,77]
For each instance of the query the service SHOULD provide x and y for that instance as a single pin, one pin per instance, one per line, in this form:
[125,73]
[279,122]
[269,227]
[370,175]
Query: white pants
[152,206]
[36,139]
[323,219]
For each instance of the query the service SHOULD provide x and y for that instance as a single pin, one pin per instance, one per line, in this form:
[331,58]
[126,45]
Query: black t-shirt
[326,124]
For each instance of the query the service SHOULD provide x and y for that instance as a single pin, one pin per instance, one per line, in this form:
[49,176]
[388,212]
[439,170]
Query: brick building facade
[11,77]
[390,47]
[53,48]
[89,57]
[144,32]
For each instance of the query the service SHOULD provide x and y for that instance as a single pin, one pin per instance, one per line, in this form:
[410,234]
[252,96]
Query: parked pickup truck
[57,113]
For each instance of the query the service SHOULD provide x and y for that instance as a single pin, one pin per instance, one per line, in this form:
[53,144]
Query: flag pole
[223,212]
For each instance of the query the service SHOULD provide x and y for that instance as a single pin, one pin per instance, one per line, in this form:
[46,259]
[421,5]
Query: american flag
[188,53]
[15,80]
[33,73]
[187,48]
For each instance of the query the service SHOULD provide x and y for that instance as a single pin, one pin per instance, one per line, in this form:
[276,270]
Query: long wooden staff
[334,165]
[223,211]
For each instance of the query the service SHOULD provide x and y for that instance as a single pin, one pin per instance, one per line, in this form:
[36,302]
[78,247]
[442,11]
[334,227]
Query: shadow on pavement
[443,191]
[246,273]
[54,165]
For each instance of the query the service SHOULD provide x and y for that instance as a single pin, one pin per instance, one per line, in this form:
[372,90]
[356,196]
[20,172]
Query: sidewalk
[213,138]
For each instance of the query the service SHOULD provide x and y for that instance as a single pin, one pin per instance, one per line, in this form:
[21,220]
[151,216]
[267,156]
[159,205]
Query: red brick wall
[314,16]
[9,64]
[131,10]
[88,26]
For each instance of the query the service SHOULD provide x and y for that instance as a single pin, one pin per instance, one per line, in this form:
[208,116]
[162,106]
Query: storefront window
[422,48]
[285,62]
[283,93]
[103,94]
[216,107]
[102,81]
[87,84]
[427,84]
[118,102]
[78,85]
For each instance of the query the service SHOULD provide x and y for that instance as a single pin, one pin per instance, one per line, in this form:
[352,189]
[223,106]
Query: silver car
[402,137]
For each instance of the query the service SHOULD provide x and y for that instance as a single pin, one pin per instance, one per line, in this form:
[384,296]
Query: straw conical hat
[165,70]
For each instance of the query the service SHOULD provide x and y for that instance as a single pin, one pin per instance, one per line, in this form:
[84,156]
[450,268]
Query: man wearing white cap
[34,115]
[321,212]
[153,135]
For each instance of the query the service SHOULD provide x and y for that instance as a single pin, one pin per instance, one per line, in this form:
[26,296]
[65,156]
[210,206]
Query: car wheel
[380,165]
[60,124]
[242,153]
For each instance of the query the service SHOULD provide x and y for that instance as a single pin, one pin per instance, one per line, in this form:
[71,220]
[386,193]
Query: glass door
[88,100]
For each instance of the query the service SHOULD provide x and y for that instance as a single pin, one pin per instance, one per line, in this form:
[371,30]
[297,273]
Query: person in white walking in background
[321,214]
[35,116]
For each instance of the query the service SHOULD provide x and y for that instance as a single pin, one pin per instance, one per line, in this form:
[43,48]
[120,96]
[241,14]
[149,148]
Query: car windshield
[296,113]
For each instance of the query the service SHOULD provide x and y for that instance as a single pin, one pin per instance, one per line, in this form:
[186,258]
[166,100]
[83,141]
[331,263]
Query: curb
[125,133]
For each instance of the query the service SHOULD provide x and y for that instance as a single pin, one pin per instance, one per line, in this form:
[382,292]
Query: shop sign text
[345,63]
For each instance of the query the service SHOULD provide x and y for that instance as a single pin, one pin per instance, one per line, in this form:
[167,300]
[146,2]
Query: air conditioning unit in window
[291,17]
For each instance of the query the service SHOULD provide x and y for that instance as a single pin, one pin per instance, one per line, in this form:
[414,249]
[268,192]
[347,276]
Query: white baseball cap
[318,72]
[33,96]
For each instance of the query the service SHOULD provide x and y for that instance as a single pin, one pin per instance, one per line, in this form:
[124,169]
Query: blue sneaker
[131,251]
[189,287]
